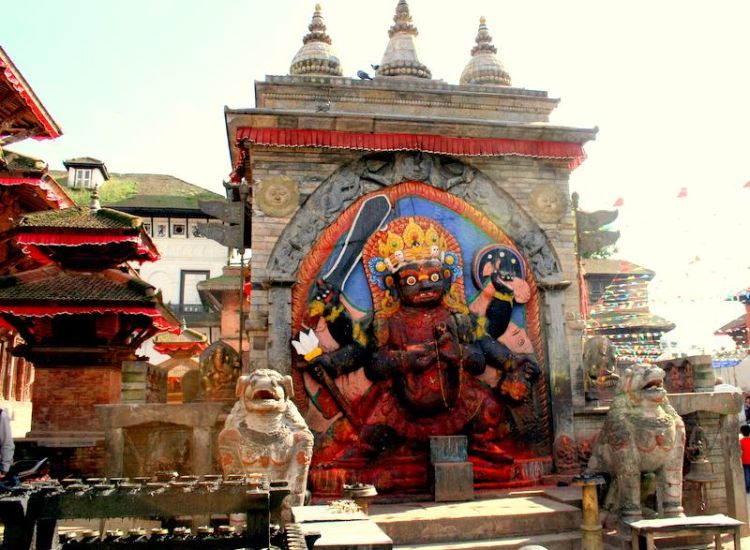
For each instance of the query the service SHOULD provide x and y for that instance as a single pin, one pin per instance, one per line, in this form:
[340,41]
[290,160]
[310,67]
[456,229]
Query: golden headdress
[407,240]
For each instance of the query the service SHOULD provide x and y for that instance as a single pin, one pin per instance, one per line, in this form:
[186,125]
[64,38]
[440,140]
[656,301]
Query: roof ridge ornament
[95,205]
[400,58]
[316,57]
[484,68]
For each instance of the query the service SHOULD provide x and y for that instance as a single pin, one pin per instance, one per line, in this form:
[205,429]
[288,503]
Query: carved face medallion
[548,203]
[277,196]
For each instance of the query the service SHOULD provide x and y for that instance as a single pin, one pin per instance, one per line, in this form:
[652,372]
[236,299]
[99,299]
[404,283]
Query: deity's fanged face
[422,283]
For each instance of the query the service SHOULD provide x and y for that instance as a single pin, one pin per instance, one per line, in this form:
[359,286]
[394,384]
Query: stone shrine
[414,239]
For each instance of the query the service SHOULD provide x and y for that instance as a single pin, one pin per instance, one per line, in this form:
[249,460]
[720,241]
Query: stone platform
[508,522]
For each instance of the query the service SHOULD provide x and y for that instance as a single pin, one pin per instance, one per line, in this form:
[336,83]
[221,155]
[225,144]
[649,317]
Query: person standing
[745,446]
[746,418]
[6,443]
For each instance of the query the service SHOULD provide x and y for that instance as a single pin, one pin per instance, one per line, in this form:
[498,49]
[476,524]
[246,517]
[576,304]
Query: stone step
[478,520]
[569,540]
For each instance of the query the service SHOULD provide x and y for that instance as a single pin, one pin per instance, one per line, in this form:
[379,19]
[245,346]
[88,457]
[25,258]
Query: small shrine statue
[265,433]
[220,368]
[600,381]
[642,436]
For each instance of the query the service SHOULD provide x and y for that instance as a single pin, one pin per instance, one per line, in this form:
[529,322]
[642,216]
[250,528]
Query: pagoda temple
[25,186]
[70,304]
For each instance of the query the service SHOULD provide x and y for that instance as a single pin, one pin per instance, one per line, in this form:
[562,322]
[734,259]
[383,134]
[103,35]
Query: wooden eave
[22,115]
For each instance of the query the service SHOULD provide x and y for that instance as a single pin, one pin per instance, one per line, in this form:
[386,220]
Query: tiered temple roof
[86,236]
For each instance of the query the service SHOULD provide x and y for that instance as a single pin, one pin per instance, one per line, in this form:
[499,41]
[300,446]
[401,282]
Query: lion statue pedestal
[643,437]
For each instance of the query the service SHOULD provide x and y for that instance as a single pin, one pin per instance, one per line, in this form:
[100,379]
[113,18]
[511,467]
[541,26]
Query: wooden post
[591,528]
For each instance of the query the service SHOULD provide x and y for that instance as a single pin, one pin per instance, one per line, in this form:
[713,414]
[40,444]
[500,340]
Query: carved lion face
[645,384]
[264,390]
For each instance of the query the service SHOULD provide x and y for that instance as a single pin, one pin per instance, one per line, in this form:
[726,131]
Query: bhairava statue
[426,362]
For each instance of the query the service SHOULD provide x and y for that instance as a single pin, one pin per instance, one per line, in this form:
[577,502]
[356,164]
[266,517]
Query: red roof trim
[19,84]
[285,137]
[52,311]
[145,252]
[50,194]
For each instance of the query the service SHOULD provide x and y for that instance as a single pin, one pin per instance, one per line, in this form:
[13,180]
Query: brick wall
[64,398]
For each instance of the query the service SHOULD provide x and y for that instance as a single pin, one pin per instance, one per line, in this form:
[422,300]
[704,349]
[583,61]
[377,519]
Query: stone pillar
[115,448]
[201,450]
[64,399]
[558,357]
[734,476]
[280,326]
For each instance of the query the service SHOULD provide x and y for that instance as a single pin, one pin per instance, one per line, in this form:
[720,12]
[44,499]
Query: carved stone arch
[370,172]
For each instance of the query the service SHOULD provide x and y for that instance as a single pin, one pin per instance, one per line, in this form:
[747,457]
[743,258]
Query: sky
[142,86]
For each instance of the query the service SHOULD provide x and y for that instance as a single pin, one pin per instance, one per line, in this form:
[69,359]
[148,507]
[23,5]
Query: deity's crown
[405,240]
[412,243]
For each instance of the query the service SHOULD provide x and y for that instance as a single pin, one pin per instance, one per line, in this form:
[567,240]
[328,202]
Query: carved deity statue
[425,356]
[600,379]
[642,436]
[219,369]
[265,433]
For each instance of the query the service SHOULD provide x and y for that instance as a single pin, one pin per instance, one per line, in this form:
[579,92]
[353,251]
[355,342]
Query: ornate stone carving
[220,368]
[566,456]
[600,379]
[403,356]
[548,203]
[265,433]
[277,196]
[642,434]
[353,180]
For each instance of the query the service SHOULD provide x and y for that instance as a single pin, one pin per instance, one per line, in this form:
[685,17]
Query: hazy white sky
[142,85]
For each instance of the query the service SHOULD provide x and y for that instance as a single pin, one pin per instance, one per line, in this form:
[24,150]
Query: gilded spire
[400,57]
[316,57]
[483,67]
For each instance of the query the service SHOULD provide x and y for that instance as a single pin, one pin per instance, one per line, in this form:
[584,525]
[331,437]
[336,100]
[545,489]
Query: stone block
[449,448]
[454,481]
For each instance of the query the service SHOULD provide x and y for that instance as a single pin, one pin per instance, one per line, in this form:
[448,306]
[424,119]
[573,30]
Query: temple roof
[732,327]
[400,58]
[22,115]
[52,291]
[80,218]
[29,178]
[85,237]
[483,67]
[187,336]
[634,321]
[606,266]
[316,57]
[54,284]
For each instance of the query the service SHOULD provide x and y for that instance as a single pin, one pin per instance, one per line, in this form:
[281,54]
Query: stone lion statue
[642,436]
[265,433]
